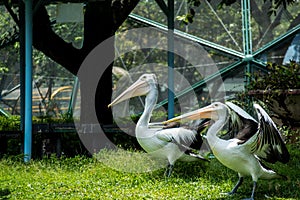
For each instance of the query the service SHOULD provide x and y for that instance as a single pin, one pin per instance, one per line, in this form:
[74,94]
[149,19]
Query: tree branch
[121,9]
[47,41]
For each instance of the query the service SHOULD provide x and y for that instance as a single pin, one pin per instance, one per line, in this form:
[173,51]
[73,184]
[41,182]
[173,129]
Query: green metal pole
[200,84]
[211,45]
[247,38]
[247,46]
[171,95]
[28,81]
[279,40]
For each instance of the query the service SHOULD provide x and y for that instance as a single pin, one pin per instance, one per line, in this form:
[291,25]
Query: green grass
[88,178]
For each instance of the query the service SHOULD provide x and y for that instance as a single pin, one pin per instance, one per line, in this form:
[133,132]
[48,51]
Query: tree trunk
[95,32]
[98,26]
[45,40]
[101,20]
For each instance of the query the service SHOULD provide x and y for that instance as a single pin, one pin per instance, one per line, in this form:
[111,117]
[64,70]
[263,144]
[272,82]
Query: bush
[279,89]
[45,141]
[278,77]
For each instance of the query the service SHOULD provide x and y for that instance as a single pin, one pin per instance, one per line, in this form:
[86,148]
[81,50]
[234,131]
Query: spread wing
[239,111]
[240,124]
[267,143]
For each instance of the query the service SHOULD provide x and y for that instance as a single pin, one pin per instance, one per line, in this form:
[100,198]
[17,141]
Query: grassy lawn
[88,178]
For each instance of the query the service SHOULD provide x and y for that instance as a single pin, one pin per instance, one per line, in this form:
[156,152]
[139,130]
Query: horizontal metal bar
[278,40]
[222,72]
[260,65]
[187,36]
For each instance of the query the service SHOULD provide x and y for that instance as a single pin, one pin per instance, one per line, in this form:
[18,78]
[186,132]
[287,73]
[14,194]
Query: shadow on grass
[216,174]
[190,170]
[4,193]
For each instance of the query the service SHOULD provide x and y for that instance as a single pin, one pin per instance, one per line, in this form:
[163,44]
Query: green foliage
[187,18]
[70,141]
[263,13]
[292,136]
[278,77]
[11,123]
[87,178]
[8,30]
[157,116]
[3,68]
[275,4]
[278,90]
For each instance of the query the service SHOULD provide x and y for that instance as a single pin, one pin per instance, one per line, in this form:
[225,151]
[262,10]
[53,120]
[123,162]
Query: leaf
[183,19]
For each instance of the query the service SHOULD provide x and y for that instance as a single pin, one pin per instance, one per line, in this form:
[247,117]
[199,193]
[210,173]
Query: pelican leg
[169,170]
[253,191]
[239,183]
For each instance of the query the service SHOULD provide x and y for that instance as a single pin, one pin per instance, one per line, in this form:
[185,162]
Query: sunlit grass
[88,178]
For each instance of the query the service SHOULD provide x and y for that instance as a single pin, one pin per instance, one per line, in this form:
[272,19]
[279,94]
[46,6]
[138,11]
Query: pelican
[247,143]
[159,142]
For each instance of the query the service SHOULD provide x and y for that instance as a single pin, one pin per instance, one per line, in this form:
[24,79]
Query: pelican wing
[179,134]
[267,143]
[241,125]
[186,134]
[239,111]
[186,139]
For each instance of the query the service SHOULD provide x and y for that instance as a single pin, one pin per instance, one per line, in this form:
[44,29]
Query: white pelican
[161,143]
[249,142]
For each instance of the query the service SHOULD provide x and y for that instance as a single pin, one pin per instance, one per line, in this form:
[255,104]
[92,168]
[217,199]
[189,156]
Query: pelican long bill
[246,142]
[139,88]
[169,144]
[202,113]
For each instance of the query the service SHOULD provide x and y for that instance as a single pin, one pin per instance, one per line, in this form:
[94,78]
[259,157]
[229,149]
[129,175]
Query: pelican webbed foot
[169,170]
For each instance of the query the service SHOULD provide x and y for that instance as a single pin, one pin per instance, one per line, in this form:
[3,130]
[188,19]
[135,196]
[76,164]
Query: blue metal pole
[28,81]
[171,59]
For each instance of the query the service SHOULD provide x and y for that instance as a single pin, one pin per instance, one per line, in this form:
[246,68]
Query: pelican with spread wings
[246,143]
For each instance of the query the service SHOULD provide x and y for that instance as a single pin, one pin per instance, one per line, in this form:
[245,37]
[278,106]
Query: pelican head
[214,111]
[141,87]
